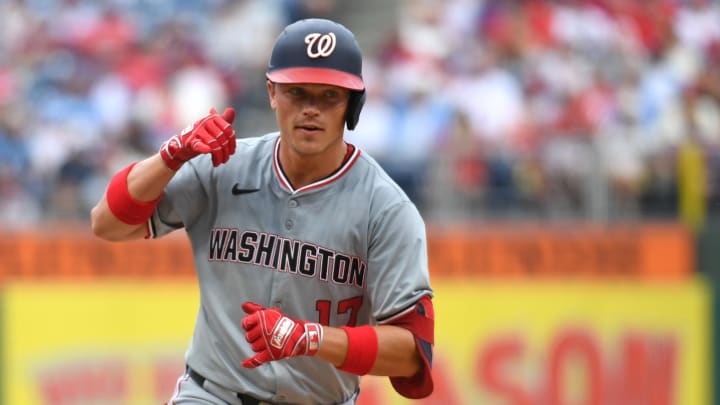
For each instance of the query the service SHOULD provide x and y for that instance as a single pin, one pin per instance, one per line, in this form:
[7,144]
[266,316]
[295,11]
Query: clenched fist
[274,336]
[211,134]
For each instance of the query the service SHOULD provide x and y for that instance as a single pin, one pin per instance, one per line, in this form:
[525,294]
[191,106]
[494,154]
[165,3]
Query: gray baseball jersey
[346,250]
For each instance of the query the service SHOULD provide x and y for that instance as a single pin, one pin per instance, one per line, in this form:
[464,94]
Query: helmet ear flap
[355,105]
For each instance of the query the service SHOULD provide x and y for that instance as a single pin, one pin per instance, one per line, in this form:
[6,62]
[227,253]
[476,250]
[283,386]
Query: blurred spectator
[18,206]
[195,85]
[242,33]
[420,119]
[373,131]
[697,24]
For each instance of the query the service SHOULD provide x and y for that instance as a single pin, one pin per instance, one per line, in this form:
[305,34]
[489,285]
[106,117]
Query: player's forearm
[397,355]
[145,182]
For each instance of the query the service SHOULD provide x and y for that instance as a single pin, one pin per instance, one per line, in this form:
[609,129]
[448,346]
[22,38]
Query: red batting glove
[211,134]
[274,336]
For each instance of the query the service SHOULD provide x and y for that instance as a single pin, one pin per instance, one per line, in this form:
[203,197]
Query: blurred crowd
[585,109]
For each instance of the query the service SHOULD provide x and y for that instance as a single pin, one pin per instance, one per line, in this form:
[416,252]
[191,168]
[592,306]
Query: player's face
[311,116]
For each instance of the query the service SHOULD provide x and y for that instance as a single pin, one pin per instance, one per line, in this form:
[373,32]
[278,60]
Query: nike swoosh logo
[236,190]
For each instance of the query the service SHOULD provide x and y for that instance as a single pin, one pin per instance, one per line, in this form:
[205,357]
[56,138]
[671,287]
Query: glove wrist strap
[314,336]
[123,205]
[167,152]
[362,350]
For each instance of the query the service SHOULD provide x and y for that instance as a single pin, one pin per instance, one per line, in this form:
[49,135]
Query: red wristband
[123,205]
[362,350]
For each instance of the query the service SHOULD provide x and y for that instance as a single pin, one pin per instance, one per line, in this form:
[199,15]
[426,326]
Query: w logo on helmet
[319,45]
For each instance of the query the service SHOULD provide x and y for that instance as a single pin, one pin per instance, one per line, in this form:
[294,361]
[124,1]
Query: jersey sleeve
[420,320]
[400,287]
[184,200]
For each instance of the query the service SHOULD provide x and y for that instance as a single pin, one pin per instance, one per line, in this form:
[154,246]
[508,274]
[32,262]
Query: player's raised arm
[134,192]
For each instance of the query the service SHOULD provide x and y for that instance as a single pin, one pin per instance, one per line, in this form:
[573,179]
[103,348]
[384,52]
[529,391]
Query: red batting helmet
[320,51]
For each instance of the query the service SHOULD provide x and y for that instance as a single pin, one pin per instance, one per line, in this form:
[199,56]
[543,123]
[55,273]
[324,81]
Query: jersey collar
[284,182]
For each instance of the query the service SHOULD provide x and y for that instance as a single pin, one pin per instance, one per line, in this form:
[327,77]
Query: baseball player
[311,262]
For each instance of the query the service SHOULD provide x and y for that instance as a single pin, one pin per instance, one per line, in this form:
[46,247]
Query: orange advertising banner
[652,251]
[76,253]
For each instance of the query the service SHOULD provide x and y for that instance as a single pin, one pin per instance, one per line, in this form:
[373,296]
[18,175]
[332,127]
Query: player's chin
[310,141]
[310,149]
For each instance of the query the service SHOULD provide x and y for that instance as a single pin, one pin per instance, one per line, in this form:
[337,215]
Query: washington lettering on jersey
[286,255]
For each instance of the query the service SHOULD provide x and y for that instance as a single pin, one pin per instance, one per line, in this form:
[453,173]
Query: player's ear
[271,94]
